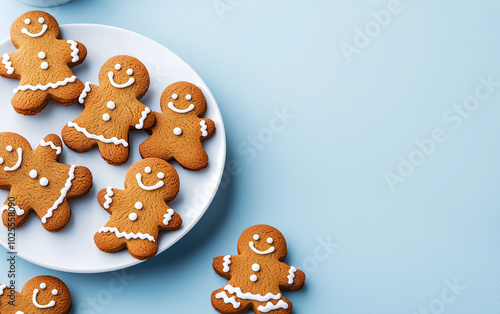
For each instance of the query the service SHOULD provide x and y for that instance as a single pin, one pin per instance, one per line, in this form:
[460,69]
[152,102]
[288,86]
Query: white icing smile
[18,163]
[158,184]
[35,294]
[175,109]
[111,76]
[27,32]
[268,251]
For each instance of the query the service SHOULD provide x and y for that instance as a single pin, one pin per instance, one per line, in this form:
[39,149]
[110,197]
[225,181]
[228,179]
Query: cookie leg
[81,184]
[77,141]
[193,160]
[68,94]
[14,216]
[30,102]
[55,219]
[142,249]
[108,242]
[114,154]
[226,303]
[282,306]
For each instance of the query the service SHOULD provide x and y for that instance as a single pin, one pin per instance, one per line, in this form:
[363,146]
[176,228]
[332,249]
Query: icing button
[106,117]
[42,55]
[44,65]
[255,267]
[177,131]
[111,105]
[253,278]
[138,205]
[132,216]
[44,181]
[33,174]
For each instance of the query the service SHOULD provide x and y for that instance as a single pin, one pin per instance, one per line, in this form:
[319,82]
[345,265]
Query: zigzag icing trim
[84,93]
[167,217]
[109,193]
[203,128]
[64,191]
[128,236]
[270,306]
[145,113]
[18,210]
[75,51]
[227,261]
[290,277]
[58,149]
[46,86]
[101,138]
[7,63]
[227,300]
[251,296]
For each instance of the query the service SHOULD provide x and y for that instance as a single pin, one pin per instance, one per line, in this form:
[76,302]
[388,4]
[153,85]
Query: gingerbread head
[183,98]
[257,274]
[34,26]
[41,295]
[12,148]
[125,74]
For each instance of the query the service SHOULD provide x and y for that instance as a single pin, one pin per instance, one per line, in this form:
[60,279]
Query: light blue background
[321,178]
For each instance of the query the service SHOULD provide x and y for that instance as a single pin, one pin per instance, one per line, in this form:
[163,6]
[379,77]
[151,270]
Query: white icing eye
[256,237]
[55,292]
[1,160]
[106,117]
[41,20]
[44,65]
[269,240]
[188,97]
[111,105]
[160,175]
[33,174]
[174,96]
[43,285]
[255,267]
[44,181]
[138,205]
[132,216]
[118,66]
[130,71]
[147,170]
[177,131]
[27,21]
[253,278]
[9,148]
[42,55]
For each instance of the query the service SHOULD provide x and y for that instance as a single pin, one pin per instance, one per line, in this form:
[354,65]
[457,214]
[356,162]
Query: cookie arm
[291,278]
[207,128]
[49,148]
[144,117]
[222,265]
[77,53]
[170,220]
[14,213]
[7,68]
[106,197]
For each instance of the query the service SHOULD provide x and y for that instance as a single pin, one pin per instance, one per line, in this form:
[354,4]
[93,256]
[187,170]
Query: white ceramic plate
[73,248]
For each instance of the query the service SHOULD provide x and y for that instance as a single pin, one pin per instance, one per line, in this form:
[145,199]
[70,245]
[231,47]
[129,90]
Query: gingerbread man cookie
[140,211]
[179,128]
[111,110]
[40,295]
[38,182]
[42,62]
[256,274]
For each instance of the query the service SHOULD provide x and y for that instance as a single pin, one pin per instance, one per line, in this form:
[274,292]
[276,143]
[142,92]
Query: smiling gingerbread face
[125,74]
[46,294]
[183,98]
[12,154]
[33,25]
[262,240]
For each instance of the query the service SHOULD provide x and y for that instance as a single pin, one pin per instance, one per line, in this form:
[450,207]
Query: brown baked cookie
[38,182]
[256,274]
[179,128]
[40,295]
[111,110]
[42,62]
[140,211]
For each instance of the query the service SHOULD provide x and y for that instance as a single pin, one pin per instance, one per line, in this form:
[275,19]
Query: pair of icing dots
[41,20]
[118,67]
[42,55]
[43,286]
[43,181]
[9,149]
[111,106]
[269,240]
[133,216]
[160,175]
[175,96]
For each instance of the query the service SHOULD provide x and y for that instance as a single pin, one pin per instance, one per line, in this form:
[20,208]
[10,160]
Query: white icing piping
[127,236]
[145,113]
[290,277]
[251,296]
[58,149]
[268,251]
[7,63]
[44,29]
[101,138]
[84,93]
[109,200]
[227,261]
[46,86]
[50,304]
[111,76]
[158,184]
[174,108]
[18,210]
[64,191]
[167,217]
[75,50]
[2,287]
[270,306]
[203,128]
[19,161]
[232,300]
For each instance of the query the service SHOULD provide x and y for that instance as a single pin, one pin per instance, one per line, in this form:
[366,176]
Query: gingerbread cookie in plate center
[43,64]
[111,110]
[180,128]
